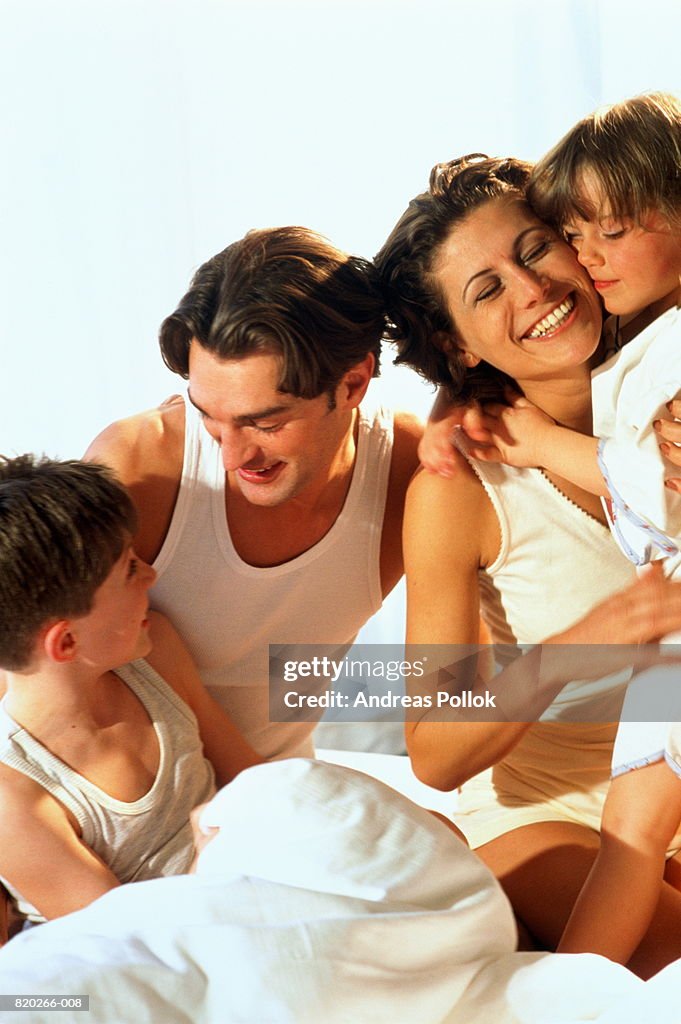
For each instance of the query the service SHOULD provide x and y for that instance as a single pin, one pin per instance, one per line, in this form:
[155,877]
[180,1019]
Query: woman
[482,294]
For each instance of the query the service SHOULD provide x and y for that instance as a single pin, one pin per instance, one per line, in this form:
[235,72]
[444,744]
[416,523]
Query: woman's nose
[531,286]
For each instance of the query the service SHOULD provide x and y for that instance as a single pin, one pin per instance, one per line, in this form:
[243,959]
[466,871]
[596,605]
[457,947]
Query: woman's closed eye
[535,252]
[491,288]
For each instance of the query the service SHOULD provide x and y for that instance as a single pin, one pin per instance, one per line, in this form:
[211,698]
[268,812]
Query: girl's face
[634,266]
[517,295]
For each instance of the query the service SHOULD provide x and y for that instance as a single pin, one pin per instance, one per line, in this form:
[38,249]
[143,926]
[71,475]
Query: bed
[328,897]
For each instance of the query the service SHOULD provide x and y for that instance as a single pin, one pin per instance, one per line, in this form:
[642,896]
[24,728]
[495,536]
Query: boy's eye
[132,568]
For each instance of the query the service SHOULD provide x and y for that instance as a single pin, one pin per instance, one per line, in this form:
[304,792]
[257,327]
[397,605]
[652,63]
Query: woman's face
[516,293]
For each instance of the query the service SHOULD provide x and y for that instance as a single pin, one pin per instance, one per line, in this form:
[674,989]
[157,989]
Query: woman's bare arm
[450,532]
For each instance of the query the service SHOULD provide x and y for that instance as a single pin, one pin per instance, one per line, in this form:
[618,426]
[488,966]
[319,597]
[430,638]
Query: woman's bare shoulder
[453,509]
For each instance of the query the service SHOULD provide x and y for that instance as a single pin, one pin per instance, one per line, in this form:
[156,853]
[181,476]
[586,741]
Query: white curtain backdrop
[139,137]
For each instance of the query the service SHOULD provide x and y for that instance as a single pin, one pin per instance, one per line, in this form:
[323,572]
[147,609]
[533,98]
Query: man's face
[275,446]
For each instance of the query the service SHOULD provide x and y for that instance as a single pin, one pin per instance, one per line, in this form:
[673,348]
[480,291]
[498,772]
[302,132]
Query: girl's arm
[522,435]
[436,450]
[41,854]
[223,744]
[617,903]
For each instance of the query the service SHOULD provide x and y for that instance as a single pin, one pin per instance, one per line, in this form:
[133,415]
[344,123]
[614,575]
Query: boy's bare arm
[223,744]
[41,854]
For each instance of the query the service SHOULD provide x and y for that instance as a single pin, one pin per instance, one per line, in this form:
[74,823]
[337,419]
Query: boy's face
[634,265]
[116,629]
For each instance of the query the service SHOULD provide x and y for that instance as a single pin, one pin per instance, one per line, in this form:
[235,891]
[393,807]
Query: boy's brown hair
[63,526]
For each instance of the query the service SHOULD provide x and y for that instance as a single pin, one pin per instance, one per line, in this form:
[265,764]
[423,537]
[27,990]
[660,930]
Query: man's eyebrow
[261,414]
[488,270]
[246,418]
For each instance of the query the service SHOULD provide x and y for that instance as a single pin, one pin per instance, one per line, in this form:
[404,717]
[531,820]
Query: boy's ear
[355,382]
[59,642]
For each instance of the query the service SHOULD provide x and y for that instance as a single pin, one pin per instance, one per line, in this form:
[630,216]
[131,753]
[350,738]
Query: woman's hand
[669,434]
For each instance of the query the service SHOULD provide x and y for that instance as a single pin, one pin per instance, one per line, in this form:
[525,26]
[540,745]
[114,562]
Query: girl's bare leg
[542,868]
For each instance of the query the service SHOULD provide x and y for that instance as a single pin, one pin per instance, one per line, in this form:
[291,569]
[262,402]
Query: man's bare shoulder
[146,453]
[149,438]
[407,432]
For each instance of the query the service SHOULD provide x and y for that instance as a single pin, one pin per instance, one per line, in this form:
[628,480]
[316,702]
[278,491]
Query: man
[270,501]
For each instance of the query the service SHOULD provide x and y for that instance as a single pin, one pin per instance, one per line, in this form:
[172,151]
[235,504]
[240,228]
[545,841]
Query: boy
[102,754]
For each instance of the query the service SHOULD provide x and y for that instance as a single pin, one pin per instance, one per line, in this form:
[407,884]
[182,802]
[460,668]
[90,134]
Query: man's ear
[59,642]
[355,382]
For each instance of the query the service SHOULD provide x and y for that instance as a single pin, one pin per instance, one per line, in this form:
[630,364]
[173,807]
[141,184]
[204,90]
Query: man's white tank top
[228,611]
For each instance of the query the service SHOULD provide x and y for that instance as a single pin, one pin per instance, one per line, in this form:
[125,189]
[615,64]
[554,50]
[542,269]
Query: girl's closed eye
[132,568]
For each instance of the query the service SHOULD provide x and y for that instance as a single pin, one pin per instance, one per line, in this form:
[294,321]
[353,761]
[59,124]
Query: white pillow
[332,829]
[326,897]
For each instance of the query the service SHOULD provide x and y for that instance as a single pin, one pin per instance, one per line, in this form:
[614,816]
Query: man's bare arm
[408,430]
[146,451]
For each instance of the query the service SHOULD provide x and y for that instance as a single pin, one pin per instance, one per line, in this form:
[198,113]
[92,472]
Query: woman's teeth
[553,320]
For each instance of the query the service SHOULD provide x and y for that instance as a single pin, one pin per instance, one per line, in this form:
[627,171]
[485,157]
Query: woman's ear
[469,359]
[448,344]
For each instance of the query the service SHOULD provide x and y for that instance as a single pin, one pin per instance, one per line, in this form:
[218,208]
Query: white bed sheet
[361,909]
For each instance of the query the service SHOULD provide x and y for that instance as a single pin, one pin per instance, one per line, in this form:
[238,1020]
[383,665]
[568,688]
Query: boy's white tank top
[228,612]
[147,838]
